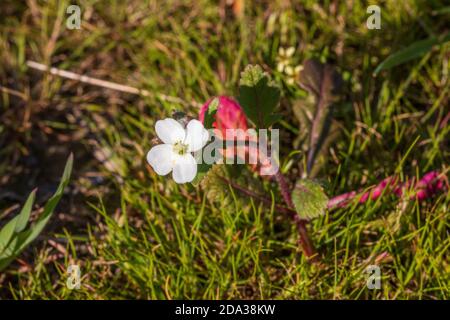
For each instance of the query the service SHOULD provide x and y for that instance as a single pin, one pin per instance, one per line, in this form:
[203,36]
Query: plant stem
[344,199]
[430,183]
[257,196]
[305,242]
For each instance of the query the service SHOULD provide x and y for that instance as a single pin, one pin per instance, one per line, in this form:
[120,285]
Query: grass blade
[24,215]
[50,206]
[13,237]
[413,51]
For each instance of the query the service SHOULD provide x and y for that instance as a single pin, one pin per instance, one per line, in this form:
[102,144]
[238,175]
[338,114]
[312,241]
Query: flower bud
[229,115]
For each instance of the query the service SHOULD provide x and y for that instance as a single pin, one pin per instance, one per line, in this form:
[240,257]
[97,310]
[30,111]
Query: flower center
[180,148]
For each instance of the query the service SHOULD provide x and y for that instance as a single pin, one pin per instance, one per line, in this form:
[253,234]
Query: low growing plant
[228,120]
[15,236]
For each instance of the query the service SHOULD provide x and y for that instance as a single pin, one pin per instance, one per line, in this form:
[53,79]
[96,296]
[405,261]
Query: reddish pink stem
[431,183]
[305,241]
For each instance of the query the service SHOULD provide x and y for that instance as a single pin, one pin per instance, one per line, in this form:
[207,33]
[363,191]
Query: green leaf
[310,201]
[4,262]
[50,206]
[14,238]
[444,10]
[7,233]
[10,250]
[24,215]
[413,51]
[66,175]
[17,224]
[210,114]
[258,96]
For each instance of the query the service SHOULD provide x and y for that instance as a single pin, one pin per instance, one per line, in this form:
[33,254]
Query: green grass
[138,235]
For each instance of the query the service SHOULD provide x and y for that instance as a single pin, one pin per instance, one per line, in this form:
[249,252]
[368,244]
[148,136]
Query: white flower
[292,73]
[175,154]
[284,58]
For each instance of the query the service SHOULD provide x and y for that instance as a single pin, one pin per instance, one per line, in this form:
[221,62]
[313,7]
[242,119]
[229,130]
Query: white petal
[185,168]
[289,70]
[160,157]
[196,135]
[290,51]
[169,131]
